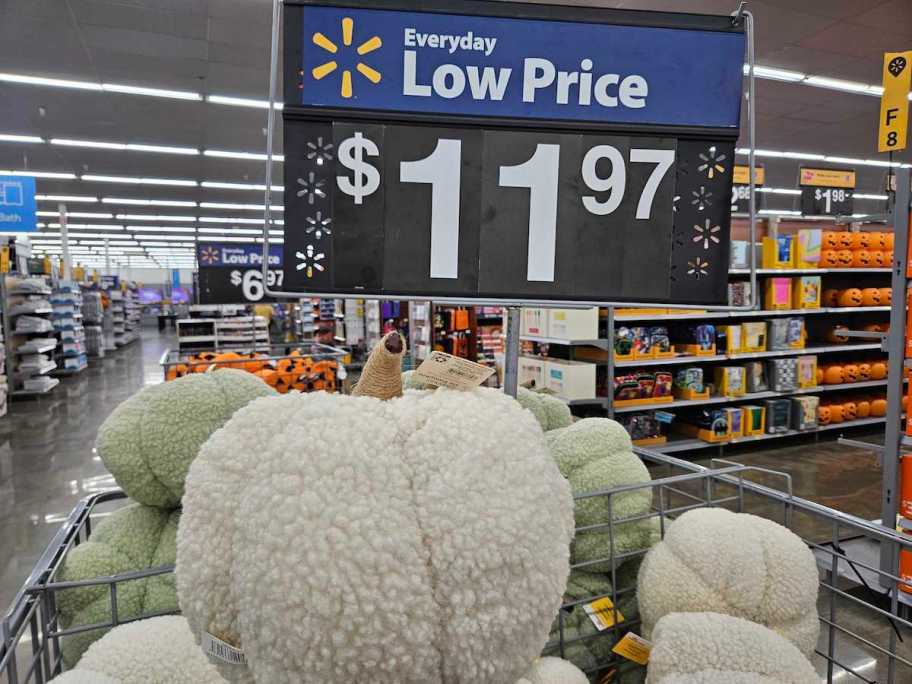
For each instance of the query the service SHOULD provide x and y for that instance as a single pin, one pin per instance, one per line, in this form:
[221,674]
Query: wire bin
[865,627]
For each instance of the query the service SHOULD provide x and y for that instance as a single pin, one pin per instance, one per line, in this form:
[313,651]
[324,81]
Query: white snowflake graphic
[701,198]
[310,261]
[320,150]
[697,268]
[706,233]
[311,188]
[712,162]
[318,225]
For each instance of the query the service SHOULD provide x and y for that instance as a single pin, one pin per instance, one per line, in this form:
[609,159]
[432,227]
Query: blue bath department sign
[17,204]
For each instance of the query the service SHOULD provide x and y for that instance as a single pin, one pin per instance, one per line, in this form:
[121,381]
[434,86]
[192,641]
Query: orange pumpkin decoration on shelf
[829,258]
[823,415]
[888,240]
[845,258]
[863,408]
[850,410]
[844,239]
[880,240]
[833,375]
[886,295]
[875,327]
[878,370]
[830,298]
[863,240]
[879,259]
[878,407]
[819,375]
[837,413]
[850,297]
[835,335]
[862,258]
[850,372]
[864,371]
[829,240]
[870,296]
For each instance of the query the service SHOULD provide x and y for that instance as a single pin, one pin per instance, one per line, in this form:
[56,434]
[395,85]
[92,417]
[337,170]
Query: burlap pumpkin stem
[382,374]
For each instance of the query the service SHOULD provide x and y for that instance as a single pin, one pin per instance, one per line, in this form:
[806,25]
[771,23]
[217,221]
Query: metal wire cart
[866,635]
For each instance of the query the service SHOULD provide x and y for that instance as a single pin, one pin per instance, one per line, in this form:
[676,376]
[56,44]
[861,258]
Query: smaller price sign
[232,274]
[827,192]
[740,200]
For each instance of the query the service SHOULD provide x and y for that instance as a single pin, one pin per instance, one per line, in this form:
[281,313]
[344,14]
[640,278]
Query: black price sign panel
[827,192]
[457,155]
[233,273]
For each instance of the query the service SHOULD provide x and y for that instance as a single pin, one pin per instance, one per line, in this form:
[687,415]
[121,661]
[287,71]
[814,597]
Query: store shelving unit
[236,332]
[29,334]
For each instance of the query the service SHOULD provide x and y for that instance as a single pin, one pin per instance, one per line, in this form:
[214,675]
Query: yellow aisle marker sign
[894,103]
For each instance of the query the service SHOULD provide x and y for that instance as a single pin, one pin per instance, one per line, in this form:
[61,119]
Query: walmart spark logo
[364,48]
[209,255]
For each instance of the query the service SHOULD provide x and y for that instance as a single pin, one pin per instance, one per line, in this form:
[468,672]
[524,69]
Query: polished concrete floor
[47,462]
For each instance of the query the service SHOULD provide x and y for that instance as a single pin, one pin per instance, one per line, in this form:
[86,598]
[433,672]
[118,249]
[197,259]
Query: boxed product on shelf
[739,293]
[804,412]
[534,322]
[698,340]
[688,384]
[646,429]
[728,338]
[778,294]
[807,371]
[642,387]
[739,255]
[531,371]
[572,324]
[570,379]
[730,381]
[786,333]
[755,374]
[783,374]
[753,336]
[710,425]
[623,343]
[735,421]
[753,420]
[806,291]
[779,251]
[808,247]
[778,415]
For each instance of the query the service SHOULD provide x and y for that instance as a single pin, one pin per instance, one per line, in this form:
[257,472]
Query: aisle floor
[47,462]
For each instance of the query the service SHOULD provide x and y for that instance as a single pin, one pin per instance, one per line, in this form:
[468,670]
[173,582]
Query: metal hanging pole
[65,243]
[107,257]
[511,351]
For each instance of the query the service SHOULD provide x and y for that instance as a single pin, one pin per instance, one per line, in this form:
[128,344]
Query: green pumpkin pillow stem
[382,375]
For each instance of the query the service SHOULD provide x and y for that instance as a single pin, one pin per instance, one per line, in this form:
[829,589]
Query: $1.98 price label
[454,211]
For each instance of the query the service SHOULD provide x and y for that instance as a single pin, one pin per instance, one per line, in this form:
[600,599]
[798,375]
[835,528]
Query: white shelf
[806,271]
[29,393]
[40,370]
[38,350]
[35,312]
[755,396]
[196,338]
[687,358]
[826,349]
[619,318]
[603,344]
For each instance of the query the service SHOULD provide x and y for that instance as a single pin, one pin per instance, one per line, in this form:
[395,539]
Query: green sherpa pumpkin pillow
[135,537]
[149,441]
[551,412]
[596,454]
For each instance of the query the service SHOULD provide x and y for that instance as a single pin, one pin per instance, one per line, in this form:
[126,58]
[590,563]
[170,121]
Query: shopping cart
[865,632]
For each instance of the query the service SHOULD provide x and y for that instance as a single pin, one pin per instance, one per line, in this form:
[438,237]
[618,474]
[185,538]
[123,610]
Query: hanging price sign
[827,192]
[482,155]
[740,199]
[233,273]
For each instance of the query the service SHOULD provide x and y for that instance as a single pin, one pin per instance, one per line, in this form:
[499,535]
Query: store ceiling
[220,47]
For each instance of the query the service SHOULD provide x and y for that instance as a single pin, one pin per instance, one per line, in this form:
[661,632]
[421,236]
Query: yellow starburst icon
[329,67]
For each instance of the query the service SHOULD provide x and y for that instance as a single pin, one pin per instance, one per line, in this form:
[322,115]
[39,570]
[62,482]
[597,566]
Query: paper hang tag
[602,613]
[222,650]
[633,647]
[445,370]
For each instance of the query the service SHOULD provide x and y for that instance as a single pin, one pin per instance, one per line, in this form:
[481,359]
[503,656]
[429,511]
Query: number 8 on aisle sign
[446,170]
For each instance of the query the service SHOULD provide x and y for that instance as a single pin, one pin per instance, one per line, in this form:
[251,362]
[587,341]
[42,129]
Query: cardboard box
[570,379]
[532,370]
[534,322]
[573,324]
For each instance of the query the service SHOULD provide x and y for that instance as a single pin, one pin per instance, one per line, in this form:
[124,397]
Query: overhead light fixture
[88,143]
[100,236]
[151,217]
[242,102]
[256,156]
[220,219]
[217,185]
[881,162]
[51,82]
[151,92]
[77,214]
[840,84]
[173,229]
[780,191]
[9,137]
[861,195]
[141,181]
[163,149]
[240,231]
[779,212]
[775,74]
[768,153]
[221,238]
[228,205]
[40,174]
[162,236]
[147,202]
[803,155]
[66,198]
[844,160]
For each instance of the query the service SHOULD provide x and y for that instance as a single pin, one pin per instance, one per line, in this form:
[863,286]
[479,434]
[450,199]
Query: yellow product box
[778,252]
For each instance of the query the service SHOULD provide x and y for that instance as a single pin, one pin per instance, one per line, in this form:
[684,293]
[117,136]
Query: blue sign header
[17,204]
[520,68]
[247,254]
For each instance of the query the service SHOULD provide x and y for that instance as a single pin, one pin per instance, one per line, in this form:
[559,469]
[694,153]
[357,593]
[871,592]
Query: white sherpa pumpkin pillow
[714,560]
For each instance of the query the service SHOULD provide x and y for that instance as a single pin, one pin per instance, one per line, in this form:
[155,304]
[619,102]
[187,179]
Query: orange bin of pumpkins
[293,372]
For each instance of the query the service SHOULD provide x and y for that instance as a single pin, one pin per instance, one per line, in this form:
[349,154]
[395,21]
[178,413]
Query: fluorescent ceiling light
[240,231]
[40,174]
[211,238]
[163,236]
[77,214]
[66,198]
[68,142]
[220,219]
[229,205]
[256,156]
[9,137]
[844,160]
[147,202]
[52,82]
[780,212]
[780,191]
[880,162]
[860,195]
[79,236]
[87,226]
[141,181]
[164,149]
[173,229]
[217,185]
[242,102]
[839,84]
[776,74]
[151,217]
[768,153]
[152,92]
[803,155]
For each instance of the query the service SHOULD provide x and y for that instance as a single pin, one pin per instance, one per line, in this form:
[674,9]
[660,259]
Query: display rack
[69,327]
[236,332]
[29,333]
[93,321]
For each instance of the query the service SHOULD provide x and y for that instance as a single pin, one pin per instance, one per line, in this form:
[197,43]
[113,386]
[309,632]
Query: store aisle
[46,452]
